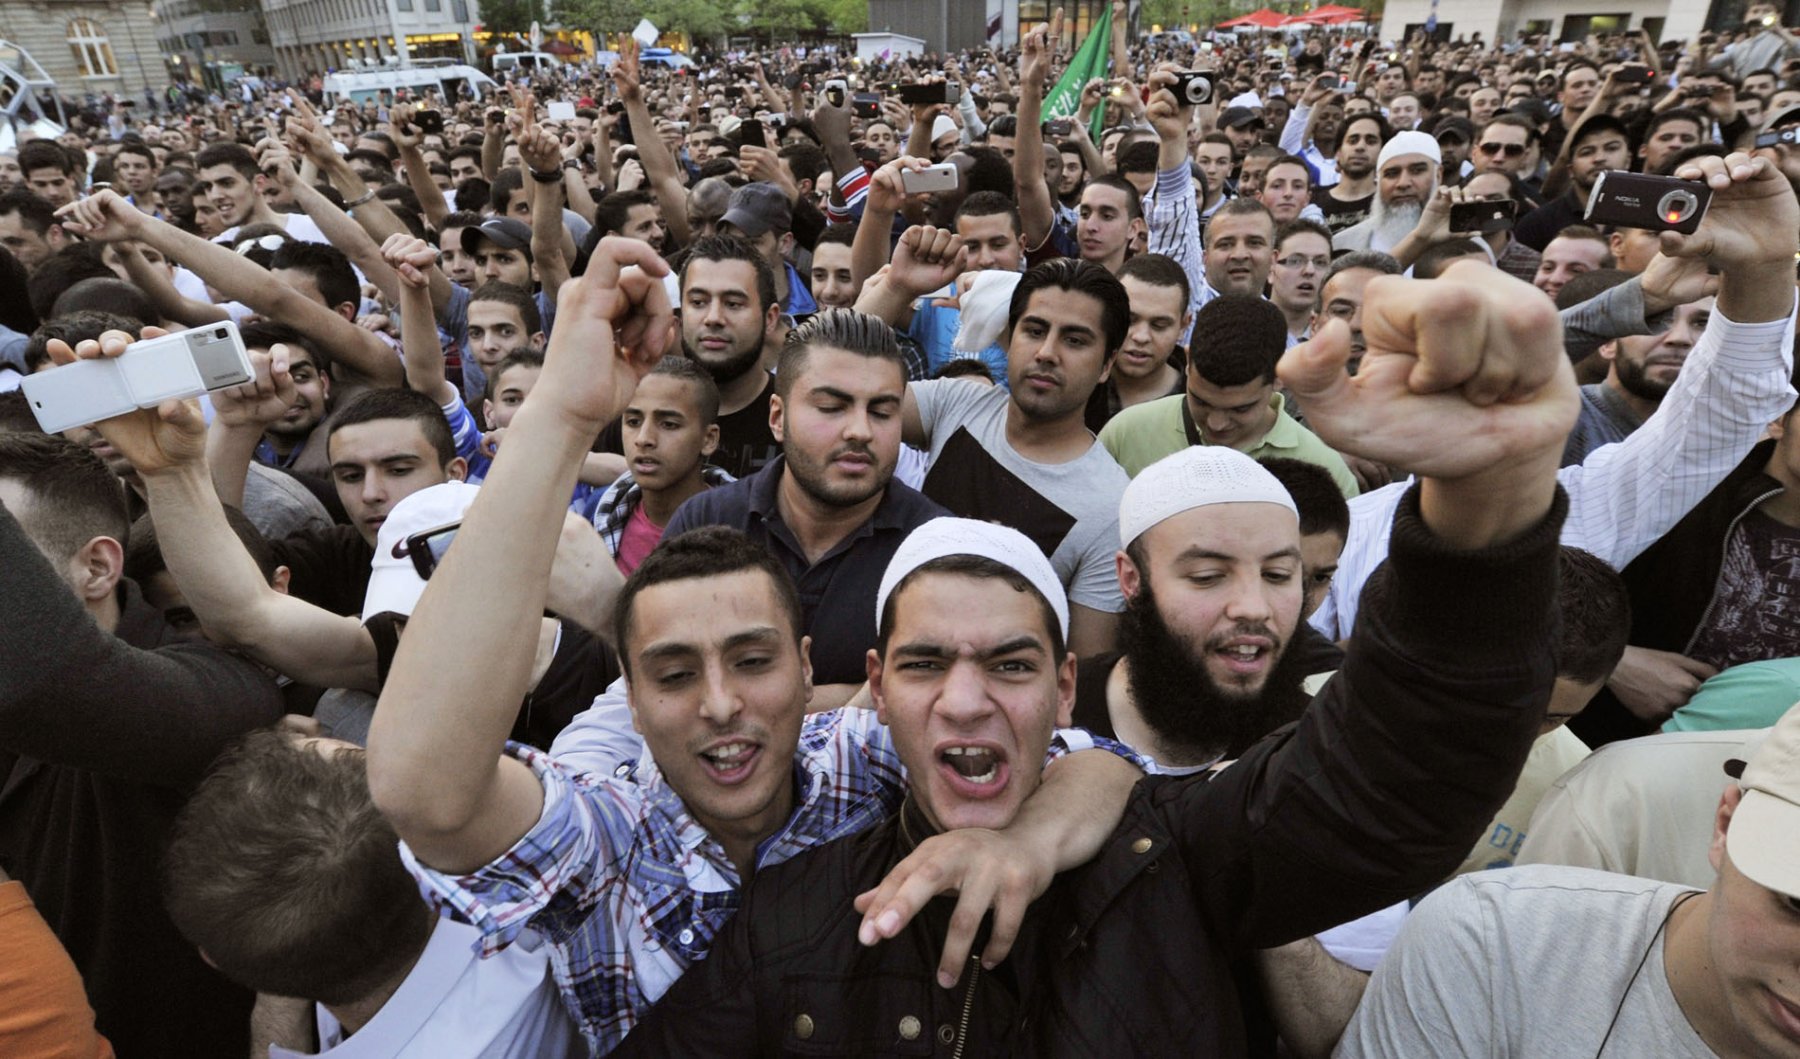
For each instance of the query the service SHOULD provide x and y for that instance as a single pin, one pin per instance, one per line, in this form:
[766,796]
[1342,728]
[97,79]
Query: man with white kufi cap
[1406,174]
[1202,678]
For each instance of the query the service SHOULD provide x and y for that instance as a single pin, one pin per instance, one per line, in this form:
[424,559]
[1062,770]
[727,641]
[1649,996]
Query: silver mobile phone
[184,364]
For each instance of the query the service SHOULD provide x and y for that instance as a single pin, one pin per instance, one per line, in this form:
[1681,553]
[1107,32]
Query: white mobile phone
[562,111]
[940,177]
[184,364]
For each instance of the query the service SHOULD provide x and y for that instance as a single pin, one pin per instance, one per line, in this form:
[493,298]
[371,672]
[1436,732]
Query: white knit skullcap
[942,127]
[1196,476]
[964,536]
[1411,141]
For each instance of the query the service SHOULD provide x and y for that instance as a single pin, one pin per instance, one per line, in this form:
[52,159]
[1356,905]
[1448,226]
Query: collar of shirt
[624,495]
[765,504]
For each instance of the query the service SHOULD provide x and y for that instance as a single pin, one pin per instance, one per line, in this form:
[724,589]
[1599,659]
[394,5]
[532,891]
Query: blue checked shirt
[631,890]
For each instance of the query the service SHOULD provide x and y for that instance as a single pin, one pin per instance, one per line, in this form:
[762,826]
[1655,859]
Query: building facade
[204,44]
[1560,20]
[89,47]
[955,25]
[321,36]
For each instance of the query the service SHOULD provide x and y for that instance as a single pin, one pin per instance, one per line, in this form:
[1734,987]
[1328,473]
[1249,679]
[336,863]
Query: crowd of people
[744,561]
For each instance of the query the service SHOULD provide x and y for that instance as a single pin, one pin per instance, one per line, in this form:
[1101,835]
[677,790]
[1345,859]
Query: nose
[1249,602]
[1218,422]
[719,701]
[715,313]
[857,424]
[374,491]
[962,698]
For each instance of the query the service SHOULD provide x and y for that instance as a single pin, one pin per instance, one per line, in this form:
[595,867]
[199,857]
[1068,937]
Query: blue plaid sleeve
[550,879]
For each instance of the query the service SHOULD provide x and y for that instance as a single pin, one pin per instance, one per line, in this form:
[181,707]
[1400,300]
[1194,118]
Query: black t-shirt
[1341,215]
[745,441]
[580,670]
[330,567]
[1545,223]
[1104,403]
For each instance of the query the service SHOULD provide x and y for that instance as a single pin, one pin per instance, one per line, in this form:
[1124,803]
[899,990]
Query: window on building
[434,5]
[459,10]
[91,50]
[404,5]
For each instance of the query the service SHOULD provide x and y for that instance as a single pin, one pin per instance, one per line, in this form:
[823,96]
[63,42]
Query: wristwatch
[553,176]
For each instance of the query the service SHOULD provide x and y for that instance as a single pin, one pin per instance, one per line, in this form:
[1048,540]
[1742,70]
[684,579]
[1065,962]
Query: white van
[363,85]
[528,61]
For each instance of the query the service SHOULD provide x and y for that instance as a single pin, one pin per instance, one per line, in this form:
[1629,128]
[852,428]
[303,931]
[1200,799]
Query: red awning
[1263,19]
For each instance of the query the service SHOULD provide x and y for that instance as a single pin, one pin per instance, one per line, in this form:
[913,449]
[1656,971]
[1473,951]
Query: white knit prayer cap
[1195,477]
[943,537]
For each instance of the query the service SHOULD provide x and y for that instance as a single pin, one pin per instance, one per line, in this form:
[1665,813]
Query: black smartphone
[1330,81]
[1654,203]
[1060,127]
[1484,216]
[430,122]
[752,133]
[1788,136]
[866,105]
[921,95]
[1634,75]
[427,548]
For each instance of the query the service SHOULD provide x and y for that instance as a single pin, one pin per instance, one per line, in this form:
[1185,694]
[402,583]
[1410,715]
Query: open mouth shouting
[973,771]
[730,761]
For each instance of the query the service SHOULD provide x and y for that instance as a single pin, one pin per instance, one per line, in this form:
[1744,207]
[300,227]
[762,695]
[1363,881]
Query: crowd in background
[805,555]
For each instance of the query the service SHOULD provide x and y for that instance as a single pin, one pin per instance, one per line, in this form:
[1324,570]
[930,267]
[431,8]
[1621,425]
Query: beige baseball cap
[1764,837]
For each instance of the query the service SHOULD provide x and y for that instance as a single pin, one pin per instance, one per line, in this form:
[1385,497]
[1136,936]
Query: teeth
[966,760]
[729,755]
[1247,651]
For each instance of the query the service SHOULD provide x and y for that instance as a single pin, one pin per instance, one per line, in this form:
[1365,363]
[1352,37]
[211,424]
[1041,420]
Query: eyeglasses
[270,242]
[1299,261]
[1511,150]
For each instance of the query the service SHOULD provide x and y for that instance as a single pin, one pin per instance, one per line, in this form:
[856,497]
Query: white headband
[962,536]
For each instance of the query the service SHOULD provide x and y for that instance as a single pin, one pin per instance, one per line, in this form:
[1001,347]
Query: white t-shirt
[1528,961]
[455,1005]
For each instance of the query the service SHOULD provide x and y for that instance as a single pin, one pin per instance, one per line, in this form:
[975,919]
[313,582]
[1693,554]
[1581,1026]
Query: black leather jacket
[1374,795]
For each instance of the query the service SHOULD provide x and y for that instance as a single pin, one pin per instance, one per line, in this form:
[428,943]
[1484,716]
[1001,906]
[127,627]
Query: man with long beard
[1199,681]
[1406,177]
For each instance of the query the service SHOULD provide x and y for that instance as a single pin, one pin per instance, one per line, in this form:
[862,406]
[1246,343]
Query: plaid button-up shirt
[630,888]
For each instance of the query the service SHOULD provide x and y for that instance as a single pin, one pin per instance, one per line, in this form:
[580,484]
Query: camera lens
[220,333]
[1676,206]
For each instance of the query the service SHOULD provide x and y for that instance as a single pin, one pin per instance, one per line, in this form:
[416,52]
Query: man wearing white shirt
[234,184]
[1626,496]
[341,923]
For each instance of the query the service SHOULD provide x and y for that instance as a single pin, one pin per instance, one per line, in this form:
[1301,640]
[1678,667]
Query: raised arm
[660,167]
[109,218]
[435,767]
[1037,210]
[407,137]
[873,243]
[542,156]
[154,281]
[409,259]
[342,232]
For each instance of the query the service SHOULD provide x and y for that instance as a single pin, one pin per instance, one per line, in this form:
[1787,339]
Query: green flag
[1090,61]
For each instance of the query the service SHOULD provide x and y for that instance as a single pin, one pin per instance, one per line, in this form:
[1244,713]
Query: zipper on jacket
[962,1029]
[1713,600]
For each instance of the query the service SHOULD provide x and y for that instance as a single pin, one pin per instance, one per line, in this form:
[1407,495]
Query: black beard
[725,372]
[1184,706]
[1634,380]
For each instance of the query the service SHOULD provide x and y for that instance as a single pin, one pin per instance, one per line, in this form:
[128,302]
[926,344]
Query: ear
[1608,351]
[1130,579]
[806,668]
[537,341]
[873,667]
[325,386]
[631,703]
[487,410]
[457,469]
[711,444]
[96,568]
[777,410]
[280,581]
[1065,691]
[1728,803]
[347,310]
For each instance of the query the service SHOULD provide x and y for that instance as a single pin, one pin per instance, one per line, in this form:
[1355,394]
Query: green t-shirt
[1753,695]
[1142,434]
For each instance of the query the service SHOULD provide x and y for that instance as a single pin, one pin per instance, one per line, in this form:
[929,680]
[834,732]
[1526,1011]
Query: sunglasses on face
[1511,150]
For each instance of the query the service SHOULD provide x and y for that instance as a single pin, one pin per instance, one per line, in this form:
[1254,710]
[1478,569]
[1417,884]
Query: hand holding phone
[147,373]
